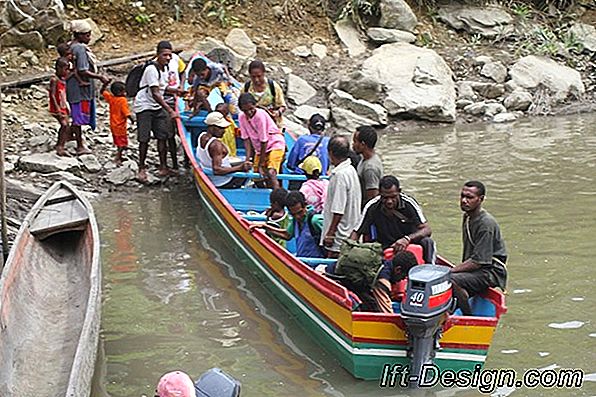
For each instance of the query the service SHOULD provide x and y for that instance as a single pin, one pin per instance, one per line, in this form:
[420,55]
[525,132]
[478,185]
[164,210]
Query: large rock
[382,35]
[299,91]
[417,81]
[48,162]
[372,111]
[96,33]
[349,37]
[489,90]
[361,86]
[347,121]
[295,127]
[519,99]
[585,34]
[490,22]
[45,17]
[121,175]
[15,38]
[319,50]
[219,52]
[397,14]
[239,41]
[532,71]
[305,112]
[494,70]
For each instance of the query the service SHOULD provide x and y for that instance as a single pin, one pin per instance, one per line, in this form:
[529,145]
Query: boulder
[239,41]
[299,91]
[519,99]
[96,33]
[15,38]
[301,51]
[347,121]
[397,14]
[48,162]
[494,70]
[382,35]
[361,86]
[585,34]
[504,117]
[349,37]
[90,163]
[319,50]
[533,71]
[475,109]
[295,127]
[371,111]
[489,90]
[304,112]
[219,52]
[121,175]
[417,81]
[490,21]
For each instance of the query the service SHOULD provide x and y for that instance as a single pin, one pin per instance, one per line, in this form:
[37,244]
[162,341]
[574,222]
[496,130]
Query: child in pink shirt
[263,138]
[314,189]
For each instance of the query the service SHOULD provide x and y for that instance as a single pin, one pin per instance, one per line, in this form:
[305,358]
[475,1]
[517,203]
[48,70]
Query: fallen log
[28,80]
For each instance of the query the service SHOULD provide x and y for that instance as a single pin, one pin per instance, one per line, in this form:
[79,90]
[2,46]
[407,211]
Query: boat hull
[363,343]
[50,305]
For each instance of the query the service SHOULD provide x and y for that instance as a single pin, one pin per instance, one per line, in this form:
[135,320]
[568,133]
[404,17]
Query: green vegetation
[219,10]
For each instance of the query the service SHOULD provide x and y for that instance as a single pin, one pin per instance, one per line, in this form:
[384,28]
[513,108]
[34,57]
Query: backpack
[271,88]
[133,79]
[359,265]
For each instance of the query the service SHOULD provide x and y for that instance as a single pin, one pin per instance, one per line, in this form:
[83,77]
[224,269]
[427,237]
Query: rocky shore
[463,64]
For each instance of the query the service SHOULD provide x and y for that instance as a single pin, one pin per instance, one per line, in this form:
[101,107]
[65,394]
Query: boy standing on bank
[119,115]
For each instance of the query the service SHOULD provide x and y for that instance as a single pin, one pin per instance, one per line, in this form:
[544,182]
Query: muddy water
[175,297]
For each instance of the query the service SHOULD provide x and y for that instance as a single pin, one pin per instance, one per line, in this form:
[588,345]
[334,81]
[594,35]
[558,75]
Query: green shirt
[281,223]
[316,221]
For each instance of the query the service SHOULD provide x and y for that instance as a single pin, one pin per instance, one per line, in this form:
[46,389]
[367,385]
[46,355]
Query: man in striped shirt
[395,220]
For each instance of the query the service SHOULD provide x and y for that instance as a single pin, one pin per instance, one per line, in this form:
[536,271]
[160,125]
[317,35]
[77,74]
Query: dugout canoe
[50,293]
[362,342]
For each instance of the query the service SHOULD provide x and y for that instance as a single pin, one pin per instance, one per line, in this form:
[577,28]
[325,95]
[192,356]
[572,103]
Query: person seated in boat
[267,92]
[393,272]
[229,136]
[205,77]
[262,138]
[175,384]
[305,227]
[314,189]
[276,215]
[213,154]
[484,253]
[395,220]
[313,144]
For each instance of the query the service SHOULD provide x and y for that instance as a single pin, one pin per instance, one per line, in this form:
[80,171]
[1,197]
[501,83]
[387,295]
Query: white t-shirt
[151,78]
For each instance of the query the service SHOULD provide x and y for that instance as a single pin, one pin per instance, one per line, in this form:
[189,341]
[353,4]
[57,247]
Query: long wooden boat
[50,305]
[362,342]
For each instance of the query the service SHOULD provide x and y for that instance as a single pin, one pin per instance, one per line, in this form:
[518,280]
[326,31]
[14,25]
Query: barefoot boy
[119,113]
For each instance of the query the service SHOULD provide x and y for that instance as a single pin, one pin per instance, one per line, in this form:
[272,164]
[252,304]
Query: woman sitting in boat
[305,227]
[262,138]
[213,154]
[268,93]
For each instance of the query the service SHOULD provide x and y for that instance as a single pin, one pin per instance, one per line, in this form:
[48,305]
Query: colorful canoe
[50,299]
[362,342]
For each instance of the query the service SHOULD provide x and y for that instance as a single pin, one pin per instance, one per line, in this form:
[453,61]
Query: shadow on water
[176,295]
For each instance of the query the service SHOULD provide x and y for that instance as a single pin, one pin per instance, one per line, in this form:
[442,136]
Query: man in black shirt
[395,219]
[484,253]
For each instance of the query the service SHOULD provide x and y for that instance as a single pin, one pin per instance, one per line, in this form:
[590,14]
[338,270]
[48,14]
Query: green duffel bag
[359,264]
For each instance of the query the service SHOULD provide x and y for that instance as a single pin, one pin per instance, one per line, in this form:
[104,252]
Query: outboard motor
[217,383]
[424,311]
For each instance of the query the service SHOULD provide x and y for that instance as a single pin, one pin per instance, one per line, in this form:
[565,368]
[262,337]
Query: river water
[176,298]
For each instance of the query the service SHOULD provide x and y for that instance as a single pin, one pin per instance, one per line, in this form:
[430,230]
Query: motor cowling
[428,293]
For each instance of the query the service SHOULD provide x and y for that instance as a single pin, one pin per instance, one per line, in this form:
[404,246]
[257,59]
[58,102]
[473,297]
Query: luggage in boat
[359,264]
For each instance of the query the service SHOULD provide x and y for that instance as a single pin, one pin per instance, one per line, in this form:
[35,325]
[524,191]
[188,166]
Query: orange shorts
[273,160]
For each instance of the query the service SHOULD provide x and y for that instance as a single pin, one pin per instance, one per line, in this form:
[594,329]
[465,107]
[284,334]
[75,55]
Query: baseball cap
[216,118]
[80,26]
[311,164]
[176,384]
[317,122]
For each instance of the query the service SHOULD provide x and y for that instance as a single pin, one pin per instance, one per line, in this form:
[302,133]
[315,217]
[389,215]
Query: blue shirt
[303,146]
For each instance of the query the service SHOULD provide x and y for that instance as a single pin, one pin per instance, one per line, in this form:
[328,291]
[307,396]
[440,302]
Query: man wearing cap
[213,154]
[314,144]
[154,114]
[314,189]
[81,95]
